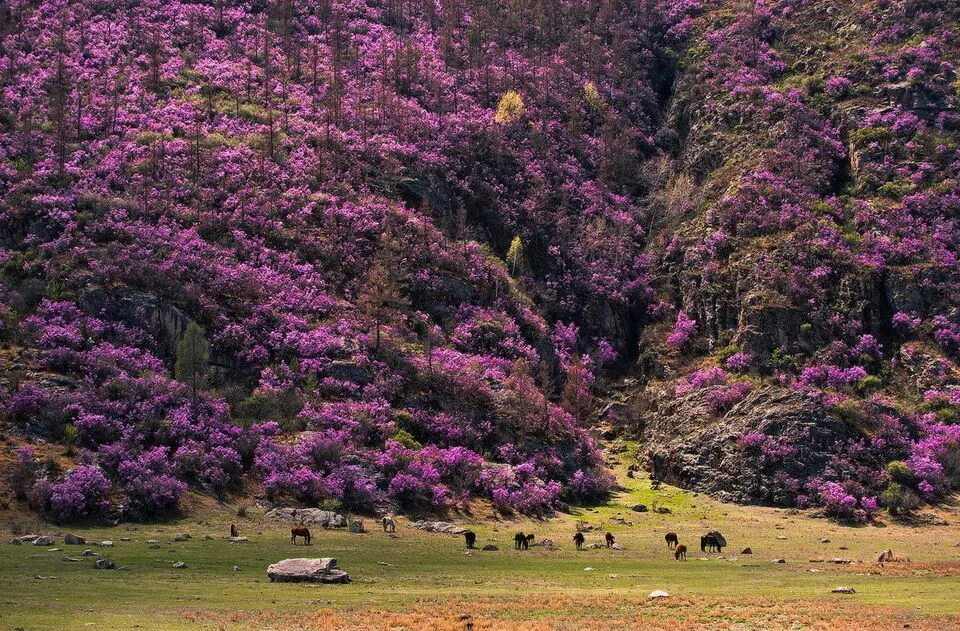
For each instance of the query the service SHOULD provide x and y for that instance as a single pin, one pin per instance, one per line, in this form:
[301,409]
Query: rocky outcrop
[693,448]
[439,527]
[307,571]
[163,320]
[309,517]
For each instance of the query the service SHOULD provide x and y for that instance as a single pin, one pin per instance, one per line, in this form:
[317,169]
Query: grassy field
[428,581]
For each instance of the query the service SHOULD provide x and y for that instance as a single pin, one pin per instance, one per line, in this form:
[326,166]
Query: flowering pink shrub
[683,331]
[83,494]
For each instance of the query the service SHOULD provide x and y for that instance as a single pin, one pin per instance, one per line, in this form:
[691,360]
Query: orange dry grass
[572,613]
[905,568]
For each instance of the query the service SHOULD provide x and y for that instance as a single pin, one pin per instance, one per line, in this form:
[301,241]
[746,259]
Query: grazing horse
[680,553]
[388,524]
[672,540]
[713,541]
[527,540]
[233,530]
[609,538]
[578,539]
[300,531]
[470,537]
[518,540]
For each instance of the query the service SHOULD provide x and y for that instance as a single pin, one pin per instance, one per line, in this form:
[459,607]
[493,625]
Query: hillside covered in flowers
[399,253]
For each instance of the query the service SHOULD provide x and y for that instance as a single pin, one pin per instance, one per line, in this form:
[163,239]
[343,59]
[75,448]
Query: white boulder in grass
[323,570]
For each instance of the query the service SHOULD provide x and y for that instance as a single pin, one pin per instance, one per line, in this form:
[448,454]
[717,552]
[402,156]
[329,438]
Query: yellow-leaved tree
[509,108]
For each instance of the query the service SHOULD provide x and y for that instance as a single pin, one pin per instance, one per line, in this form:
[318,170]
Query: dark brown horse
[470,537]
[527,540]
[680,552]
[672,540]
[300,531]
[233,530]
[578,540]
[609,538]
[518,540]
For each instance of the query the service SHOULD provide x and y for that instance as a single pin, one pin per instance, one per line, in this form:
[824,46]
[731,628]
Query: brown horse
[518,540]
[680,552]
[233,530]
[300,531]
[578,539]
[672,540]
[609,538]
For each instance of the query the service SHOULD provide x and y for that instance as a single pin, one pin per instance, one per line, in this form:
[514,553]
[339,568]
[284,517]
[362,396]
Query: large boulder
[307,571]
[443,527]
[22,539]
[309,517]
[694,448]
[74,540]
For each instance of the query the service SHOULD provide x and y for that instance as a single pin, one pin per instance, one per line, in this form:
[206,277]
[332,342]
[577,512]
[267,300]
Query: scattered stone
[384,563]
[779,561]
[843,590]
[588,569]
[179,565]
[782,538]
[152,541]
[443,527]
[489,548]
[104,564]
[74,540]
[104,544]
[307,571]
[309,517]
[53,549]
[182,537]
[616,546]
[124,538]
[19,541]
[356,526]
[640,508]
[614,576]
[843,548]
[824,540]
[236,568]
[238,539]
[840,561]
[72,559]
[658,593]
[207,538]
[662,510]
[89,553]
[546,543]
[747,551]
[45,540]
[154,546]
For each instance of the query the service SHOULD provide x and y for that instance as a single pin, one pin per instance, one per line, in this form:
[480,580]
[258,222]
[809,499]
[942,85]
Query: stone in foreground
[844,590]
[659,593]
[307,571]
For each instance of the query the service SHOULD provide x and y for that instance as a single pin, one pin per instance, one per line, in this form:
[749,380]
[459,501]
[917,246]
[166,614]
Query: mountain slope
[419,238]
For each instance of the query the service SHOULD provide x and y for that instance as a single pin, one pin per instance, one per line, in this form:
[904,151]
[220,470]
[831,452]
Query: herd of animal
[713,541]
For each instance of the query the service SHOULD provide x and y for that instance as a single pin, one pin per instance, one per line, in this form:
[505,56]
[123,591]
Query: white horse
[388,524]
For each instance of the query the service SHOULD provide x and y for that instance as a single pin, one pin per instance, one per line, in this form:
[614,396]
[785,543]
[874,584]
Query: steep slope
[391,221]
[420,237]
[808,242]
